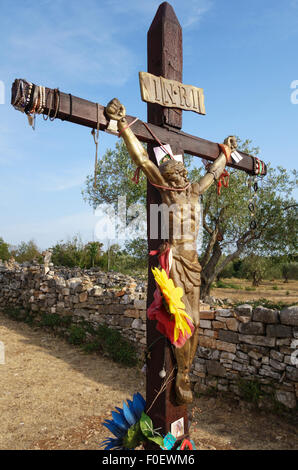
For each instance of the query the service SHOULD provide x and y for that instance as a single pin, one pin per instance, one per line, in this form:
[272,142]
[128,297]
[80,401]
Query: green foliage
[117,347]
[77,334]
[226,285]
[4,250]
[228,214]
[93,250]
[27,251]
[16,314]
[70,253]
[54,319]
[114,178]
[290,271]
[137,249]
[250,390]
[254,267]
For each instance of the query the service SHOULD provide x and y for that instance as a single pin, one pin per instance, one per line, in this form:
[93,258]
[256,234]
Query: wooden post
[165,59]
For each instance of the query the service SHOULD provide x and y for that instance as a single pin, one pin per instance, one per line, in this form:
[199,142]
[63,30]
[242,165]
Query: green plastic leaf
[147,429]
[133,437]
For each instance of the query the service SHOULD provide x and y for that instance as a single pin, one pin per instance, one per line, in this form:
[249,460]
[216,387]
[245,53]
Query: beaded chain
[31,100]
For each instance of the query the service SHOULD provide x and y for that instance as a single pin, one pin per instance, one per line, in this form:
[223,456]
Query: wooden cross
[164,59]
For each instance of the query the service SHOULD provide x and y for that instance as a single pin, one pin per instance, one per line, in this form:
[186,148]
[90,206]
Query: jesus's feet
[183,390]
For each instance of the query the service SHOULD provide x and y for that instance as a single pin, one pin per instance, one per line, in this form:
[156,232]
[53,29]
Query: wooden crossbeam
[84,112]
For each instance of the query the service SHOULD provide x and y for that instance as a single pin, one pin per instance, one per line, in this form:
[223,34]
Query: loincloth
[185,272]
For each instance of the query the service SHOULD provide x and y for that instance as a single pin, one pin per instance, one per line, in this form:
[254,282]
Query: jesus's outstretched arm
[216,169]
[115,110]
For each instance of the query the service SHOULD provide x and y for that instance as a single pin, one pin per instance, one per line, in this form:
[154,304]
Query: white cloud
[78,40]
[196,9]
[188,13]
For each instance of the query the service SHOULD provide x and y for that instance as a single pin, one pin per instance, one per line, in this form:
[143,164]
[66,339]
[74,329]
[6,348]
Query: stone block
[244,309]
[65,291]
[125,322]
[215,368]
[224,312]
[265,315]
[199,367]
[205,324]
[207,342]
[292,373]
[277,365]
[243,319]
[252,328]
[226,355]
[237,366]
[277,356]
[83,297]
[269,373]
[137,324]
[255,355]
[232,324]
[207,315]
[242,356]
[288,399]
[223,346]
[279,331]
[97,291]
[212,333]
[143,314]
[228,336]
[204,352]
[132,313]
[289,316]
[218,325]
[255,363]
[257,340]
[140,304]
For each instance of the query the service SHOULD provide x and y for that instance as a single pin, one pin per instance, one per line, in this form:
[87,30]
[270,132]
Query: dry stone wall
[244,351]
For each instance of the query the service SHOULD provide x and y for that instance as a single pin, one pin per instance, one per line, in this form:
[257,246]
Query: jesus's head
[174,173]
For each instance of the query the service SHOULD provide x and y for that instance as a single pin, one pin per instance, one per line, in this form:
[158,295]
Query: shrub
[117,347]
[77,334]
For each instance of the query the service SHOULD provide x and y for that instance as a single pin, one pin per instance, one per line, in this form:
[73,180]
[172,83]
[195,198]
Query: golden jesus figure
[175,190]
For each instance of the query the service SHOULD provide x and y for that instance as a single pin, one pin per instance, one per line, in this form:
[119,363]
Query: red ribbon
[223,181]
[136,176]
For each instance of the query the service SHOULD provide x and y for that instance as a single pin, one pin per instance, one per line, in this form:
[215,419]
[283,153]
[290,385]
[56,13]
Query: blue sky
[244,55]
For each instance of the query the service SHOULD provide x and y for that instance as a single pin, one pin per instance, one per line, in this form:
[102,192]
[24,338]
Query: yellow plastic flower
[172,296]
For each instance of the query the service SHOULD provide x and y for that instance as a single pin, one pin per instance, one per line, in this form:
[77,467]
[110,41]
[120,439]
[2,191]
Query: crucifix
[166,96]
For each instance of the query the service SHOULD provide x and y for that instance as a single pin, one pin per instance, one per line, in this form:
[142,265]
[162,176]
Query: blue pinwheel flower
[123,421]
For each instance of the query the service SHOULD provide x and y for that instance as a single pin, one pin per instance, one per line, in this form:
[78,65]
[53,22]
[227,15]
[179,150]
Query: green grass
[225,285]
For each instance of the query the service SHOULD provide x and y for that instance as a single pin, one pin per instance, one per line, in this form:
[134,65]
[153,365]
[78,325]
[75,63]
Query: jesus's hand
[115,110]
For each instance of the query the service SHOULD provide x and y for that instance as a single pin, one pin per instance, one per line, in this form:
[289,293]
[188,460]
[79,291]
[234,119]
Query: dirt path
[55,397]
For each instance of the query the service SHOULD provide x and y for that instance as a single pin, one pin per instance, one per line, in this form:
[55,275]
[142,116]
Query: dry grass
[275,290]
[55,397]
